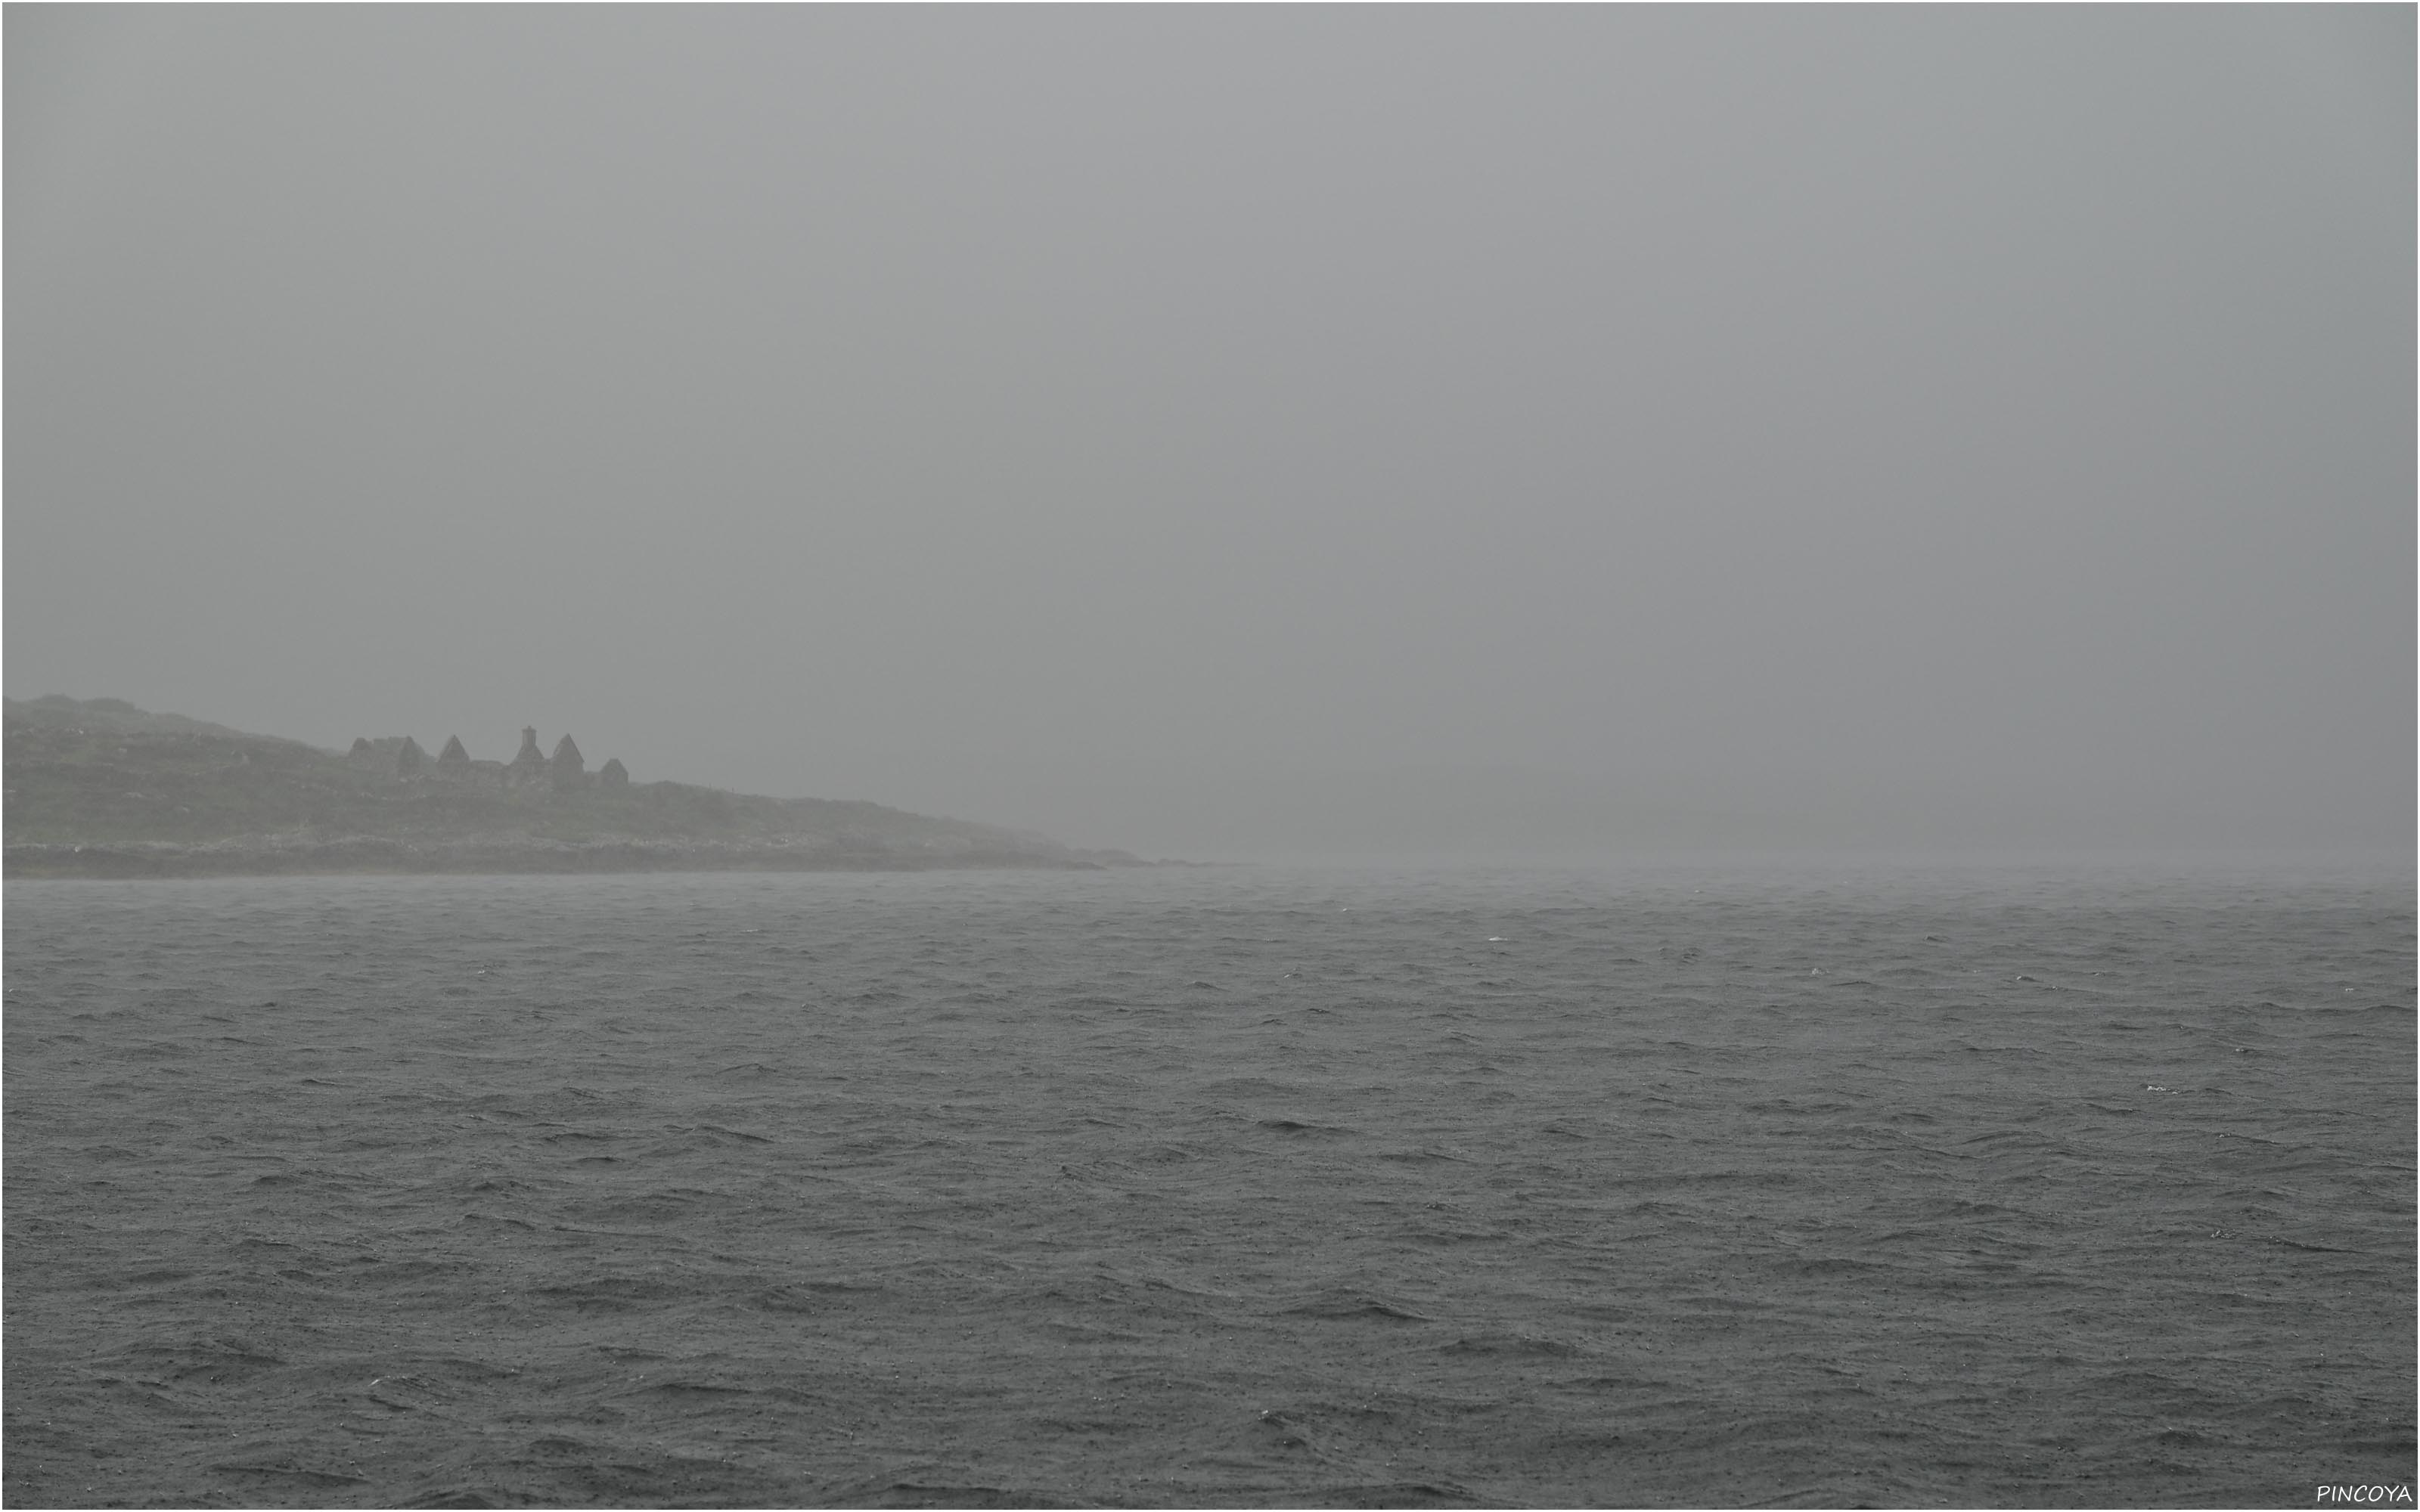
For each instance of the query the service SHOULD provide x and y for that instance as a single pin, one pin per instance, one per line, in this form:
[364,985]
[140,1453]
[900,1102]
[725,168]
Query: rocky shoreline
[104,790]
[371,854]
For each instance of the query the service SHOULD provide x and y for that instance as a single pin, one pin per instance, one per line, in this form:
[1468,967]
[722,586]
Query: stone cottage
[566,771]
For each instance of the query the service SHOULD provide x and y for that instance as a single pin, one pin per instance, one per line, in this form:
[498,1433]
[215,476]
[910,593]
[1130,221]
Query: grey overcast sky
[1230,431]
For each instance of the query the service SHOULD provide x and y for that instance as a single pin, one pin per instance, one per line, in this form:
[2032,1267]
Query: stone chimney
[529,764]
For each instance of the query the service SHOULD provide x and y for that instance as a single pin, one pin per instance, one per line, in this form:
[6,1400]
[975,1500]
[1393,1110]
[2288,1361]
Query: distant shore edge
[371,857]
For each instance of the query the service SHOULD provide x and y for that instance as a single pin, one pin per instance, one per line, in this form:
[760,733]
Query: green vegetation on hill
[100,788]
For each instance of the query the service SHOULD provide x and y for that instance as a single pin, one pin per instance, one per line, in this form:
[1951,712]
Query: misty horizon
[1303,755]
[1239,434]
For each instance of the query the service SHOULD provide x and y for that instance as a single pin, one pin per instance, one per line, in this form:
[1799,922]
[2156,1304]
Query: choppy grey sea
[1231,1186]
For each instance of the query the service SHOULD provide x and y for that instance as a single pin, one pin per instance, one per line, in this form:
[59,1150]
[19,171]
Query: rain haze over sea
[1942,479]
[1254,432]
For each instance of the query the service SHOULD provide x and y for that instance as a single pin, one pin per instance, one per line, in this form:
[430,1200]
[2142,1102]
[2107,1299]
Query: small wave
[1514,1346]
[1356,1308]
[1294,1126]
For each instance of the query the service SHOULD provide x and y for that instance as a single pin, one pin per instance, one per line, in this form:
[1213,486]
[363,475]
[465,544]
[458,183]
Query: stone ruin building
[566,771]
[527,765]
[399,754]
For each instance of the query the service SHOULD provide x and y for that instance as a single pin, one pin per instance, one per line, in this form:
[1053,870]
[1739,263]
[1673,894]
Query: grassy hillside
[103,788]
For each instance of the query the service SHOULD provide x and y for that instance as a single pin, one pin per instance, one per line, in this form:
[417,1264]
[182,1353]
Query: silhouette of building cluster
[565,771]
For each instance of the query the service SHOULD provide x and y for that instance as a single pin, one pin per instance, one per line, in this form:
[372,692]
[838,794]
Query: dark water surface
[1218,1186]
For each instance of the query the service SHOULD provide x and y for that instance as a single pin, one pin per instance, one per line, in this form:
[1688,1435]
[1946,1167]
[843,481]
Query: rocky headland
[100,788]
